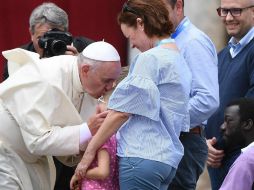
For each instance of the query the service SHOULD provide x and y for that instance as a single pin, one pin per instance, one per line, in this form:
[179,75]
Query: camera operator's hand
[71,50]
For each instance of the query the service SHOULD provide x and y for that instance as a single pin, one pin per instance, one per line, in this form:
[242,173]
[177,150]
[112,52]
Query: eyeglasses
[235,12]
[127,8]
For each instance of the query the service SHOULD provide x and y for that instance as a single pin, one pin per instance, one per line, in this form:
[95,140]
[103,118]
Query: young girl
[103,173]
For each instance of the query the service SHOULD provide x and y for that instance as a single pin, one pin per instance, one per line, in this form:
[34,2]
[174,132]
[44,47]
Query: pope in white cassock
[41,109]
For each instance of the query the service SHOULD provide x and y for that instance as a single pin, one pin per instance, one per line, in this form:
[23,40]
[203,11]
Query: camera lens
[58,47]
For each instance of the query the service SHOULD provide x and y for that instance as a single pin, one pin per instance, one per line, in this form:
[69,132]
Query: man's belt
[196,130]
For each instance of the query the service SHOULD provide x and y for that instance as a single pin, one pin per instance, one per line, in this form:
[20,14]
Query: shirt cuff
[84,134]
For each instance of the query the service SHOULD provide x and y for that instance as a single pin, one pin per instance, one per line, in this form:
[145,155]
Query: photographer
[43,18]
[48,21]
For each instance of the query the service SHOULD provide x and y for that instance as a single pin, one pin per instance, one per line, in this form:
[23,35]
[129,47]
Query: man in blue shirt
[236,79]
[201,57]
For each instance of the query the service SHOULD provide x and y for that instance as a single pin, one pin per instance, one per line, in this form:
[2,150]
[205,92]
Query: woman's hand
[85,162]
[111,124]
[75,183]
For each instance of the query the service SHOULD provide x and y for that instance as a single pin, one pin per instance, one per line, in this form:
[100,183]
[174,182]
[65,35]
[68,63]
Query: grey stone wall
[203,14]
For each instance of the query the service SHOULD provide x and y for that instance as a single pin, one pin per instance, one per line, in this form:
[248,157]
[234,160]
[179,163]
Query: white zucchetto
[101,51]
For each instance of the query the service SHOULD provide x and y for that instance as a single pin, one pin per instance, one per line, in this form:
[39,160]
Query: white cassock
[39,118]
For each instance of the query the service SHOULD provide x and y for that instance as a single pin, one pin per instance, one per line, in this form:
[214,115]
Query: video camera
[54,42]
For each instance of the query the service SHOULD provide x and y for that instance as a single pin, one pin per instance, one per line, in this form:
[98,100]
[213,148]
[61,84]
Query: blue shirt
[201,57]
[155,93]
[236,47]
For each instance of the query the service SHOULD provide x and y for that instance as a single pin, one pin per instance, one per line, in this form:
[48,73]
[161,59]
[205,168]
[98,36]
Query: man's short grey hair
[84,60]
[49,13]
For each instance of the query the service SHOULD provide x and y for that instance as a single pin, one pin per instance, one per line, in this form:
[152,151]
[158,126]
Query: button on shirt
[155,93]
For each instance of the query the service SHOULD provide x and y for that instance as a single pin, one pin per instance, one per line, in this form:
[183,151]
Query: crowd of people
[68,122]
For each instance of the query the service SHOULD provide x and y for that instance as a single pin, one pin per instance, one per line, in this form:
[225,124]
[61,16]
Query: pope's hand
[95,121]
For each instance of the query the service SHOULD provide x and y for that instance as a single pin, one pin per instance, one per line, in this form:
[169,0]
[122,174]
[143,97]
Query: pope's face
[99,79]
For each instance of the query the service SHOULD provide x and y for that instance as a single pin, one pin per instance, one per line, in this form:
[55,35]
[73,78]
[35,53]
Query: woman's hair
[153,13]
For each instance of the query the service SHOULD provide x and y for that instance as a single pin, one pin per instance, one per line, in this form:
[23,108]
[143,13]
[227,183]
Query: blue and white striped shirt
[155,93]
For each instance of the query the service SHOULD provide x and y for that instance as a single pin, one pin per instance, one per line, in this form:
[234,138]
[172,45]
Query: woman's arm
[102,171]
[112,123]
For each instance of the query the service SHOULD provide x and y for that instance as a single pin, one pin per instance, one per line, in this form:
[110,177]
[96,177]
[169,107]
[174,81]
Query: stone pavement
[204,182]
